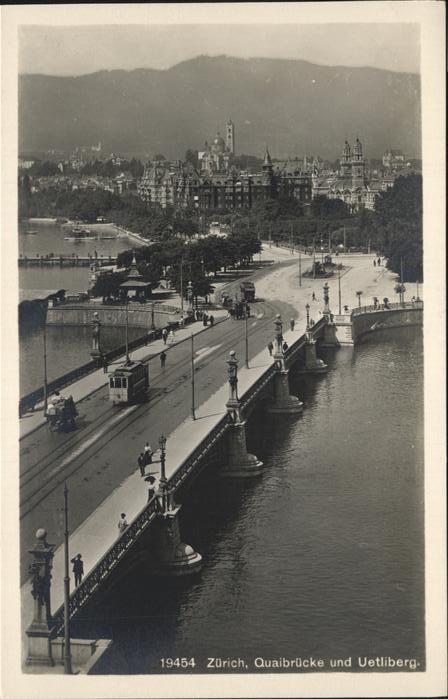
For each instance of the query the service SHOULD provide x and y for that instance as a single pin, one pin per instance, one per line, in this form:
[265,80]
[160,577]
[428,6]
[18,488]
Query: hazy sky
[77,50]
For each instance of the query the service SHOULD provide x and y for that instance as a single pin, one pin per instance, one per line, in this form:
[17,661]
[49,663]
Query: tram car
[129,383]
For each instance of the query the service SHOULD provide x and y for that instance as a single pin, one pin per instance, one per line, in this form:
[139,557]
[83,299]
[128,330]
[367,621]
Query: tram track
[45,466]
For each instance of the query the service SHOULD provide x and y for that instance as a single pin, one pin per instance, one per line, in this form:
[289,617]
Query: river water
[67,347]
[322,555]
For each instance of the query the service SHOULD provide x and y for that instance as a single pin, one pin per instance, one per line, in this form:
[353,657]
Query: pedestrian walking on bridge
[164,335]
[292,323]
[141,464]
[78,569]
[313,296]
[163,360]
[270,348]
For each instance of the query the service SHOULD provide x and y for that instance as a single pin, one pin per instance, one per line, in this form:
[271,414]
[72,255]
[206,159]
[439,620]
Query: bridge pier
[239,463]
[284,402]
[173,557]
[313,365]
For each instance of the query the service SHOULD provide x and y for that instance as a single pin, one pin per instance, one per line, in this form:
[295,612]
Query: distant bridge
[53,260]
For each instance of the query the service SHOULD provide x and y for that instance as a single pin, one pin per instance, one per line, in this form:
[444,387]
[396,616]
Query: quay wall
[364,323]
[110,316]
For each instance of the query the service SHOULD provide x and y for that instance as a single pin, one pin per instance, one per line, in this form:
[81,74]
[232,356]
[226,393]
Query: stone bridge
[221,438]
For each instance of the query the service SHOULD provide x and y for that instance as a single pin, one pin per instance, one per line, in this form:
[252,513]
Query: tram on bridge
[129,383]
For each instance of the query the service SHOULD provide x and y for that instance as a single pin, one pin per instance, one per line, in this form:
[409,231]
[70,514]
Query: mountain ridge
[294,105]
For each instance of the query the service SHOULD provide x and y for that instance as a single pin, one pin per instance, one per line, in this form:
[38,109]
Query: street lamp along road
[359,294]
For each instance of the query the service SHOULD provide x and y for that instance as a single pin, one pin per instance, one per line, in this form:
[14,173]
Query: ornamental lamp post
[163,483]
[359,294]
[307,307]
[278,325]
[190,296]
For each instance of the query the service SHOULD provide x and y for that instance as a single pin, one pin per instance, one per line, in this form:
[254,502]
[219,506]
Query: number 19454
[169,663]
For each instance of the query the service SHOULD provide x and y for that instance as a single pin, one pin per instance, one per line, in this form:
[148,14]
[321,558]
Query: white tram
[129,383]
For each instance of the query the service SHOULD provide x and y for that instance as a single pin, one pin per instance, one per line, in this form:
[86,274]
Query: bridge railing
[387,307]
[90,583]
[193,459]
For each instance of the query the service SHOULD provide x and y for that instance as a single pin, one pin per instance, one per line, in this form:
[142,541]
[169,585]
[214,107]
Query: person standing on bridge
[163,360]
[151,487]
[164,335]
[141,464]
[78,569]
[292,323]
[374,263]
[122,523]
[313,298]
[270,348]
[148,452]
[212,320]
[285,346]
[171,337]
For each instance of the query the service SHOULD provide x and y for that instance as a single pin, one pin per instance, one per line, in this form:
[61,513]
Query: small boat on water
[80,234]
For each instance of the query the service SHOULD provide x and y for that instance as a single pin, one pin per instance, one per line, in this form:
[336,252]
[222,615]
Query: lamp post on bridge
[39,631]
[359,294]
[67,648]
[163,482]
[45,363]
[233,404]
[96,352]
[190,296]
[339,292]
[307,307]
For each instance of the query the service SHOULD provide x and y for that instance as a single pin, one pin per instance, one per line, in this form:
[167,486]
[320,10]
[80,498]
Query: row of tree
[395,227]
[198,261]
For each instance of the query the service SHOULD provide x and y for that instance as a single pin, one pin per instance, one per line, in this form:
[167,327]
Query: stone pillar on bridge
[173,557]
[239,463]
[313,365]
[96,352]
[284,402]
[328,337]
[39,631]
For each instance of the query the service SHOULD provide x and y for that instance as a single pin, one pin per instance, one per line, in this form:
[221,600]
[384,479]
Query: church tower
[358,165]
[346,164]
[230,136]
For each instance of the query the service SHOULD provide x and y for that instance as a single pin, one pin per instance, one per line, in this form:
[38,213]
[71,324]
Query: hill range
[294,106]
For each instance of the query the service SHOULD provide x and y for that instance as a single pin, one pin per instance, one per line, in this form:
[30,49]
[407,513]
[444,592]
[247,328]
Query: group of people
[377,262]
[168,337]
[62,410]
[270,347]
[239,310]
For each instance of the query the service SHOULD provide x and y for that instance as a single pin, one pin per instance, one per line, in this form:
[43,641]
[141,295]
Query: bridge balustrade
[105,565]
[390,307]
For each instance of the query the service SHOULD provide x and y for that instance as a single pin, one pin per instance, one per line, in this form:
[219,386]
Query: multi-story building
[218,156]
[182,185]
[351,184]
[394,159]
